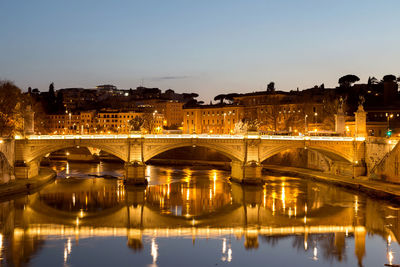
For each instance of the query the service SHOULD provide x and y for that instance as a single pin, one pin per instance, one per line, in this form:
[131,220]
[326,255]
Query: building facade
[211,119]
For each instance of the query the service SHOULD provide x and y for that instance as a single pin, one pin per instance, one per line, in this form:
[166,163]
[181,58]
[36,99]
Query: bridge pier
[246,173]
[135,173]
[26,170]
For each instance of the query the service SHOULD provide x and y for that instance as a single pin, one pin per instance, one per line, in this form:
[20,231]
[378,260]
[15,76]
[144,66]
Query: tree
[271,87]
[149,122]
[136,123]
[220,97]
[12,108]
[348,80]
[230,97]
[272,116]
[51,91]
[253,125]
[372,81]
[389,78]
[41,121]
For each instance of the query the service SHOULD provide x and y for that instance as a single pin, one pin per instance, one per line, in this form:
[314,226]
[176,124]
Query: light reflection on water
[194,217]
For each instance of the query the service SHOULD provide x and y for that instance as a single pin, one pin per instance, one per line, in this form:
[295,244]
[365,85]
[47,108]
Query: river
[194,217]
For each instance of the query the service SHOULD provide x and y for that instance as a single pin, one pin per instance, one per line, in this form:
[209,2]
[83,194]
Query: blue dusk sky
[204,46]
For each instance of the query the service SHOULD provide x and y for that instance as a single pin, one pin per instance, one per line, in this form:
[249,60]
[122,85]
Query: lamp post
[305,124]
[388,123]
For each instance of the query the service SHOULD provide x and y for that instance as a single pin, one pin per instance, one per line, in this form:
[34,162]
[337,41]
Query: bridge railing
[191,136]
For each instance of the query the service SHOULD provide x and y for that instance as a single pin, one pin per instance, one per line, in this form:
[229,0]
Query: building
[172,110]
[103,122]
[212,119]
[283,111]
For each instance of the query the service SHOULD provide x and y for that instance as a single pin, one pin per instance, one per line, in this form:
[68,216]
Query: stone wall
[6,161]
[388,169]
[375,150]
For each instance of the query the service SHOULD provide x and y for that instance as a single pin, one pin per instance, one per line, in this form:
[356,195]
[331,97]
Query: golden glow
[154,250]
[190,136]
[315,254]
[1,245]
[390,257]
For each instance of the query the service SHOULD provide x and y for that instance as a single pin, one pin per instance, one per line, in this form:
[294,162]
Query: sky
[208,46]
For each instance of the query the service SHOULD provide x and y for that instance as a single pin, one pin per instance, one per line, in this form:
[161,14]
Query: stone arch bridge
[246,152]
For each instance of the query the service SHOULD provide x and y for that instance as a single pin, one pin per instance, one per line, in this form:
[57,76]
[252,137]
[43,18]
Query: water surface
[188,217]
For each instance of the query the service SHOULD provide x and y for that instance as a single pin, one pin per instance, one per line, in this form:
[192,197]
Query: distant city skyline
[207,47]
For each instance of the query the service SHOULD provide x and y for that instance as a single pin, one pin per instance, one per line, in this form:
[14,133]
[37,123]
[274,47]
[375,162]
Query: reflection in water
[323,223]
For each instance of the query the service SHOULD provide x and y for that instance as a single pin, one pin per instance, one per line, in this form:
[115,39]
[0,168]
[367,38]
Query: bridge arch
[224,150]
[328,152]
[40,153]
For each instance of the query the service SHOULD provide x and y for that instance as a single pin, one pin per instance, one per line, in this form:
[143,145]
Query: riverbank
[26,186]
[373,188]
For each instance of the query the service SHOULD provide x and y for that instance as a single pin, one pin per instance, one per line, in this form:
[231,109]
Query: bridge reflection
[193,207]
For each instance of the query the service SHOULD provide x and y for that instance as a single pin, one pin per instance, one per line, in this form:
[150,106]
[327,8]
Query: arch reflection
[319,219]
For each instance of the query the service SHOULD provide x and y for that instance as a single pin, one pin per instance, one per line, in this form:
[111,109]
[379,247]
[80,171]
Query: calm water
[188,217]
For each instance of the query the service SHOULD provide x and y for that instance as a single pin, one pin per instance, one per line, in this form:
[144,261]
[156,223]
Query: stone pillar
[29,121]
[135,173]
[340,123]
[361,122]
[248,173]
[26,170]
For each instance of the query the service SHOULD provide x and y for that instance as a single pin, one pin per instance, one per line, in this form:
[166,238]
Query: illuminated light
[229,255]
[315,254]
[69,245]
[148,172]
[1,245]
[67,153]
[389,240]
[1,141]
[17,137]
[77,221]
[223,246]
[356,204]
[283,196]
[73,199]
[154,250]
[81,213]
[356,162]
[390,258]
[347,232]
[305,245]
[305,219]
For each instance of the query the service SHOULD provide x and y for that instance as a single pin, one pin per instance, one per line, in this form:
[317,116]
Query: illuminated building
[211,119]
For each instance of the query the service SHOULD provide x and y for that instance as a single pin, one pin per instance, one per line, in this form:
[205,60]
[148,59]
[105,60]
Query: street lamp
[389,133]
[305,124]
